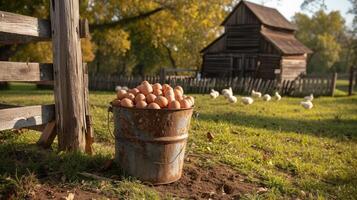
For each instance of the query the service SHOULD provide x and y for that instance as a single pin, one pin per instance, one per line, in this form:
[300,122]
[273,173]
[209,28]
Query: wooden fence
[319,86]
[69,117]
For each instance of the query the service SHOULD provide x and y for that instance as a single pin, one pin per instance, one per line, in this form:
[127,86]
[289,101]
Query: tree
[322,33]
[132,36]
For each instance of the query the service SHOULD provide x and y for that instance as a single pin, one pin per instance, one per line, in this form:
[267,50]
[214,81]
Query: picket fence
[319,86]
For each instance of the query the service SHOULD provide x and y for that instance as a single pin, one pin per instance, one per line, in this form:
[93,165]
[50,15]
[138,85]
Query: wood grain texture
[89,122]
[69,84]
[17,28]
[21,117]
[48,135]
[20,71]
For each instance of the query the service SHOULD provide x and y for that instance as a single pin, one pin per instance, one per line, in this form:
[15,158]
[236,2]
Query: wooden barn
[258,41]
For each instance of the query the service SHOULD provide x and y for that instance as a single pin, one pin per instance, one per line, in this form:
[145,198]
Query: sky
[289,7]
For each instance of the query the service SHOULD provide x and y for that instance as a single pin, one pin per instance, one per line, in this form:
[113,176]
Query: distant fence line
[318,85]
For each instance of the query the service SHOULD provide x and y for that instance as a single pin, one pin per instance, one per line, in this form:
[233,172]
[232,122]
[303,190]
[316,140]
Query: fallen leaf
[70,196]
[210,136]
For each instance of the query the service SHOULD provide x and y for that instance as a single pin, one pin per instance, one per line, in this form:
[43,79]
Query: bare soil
[46,191]
[217,181]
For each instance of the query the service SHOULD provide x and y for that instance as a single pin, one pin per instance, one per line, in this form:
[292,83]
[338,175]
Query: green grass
[295,153]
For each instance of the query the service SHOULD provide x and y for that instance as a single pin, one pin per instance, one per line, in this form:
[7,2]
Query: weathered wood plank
[21,117]
[20,71]
[48,135]
[17,28]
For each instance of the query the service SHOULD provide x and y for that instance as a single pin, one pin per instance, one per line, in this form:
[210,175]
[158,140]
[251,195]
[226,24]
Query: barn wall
[267,47]
[243,38]
[293,66]
[215,65]
[242,15]
[269,66]
[217,46]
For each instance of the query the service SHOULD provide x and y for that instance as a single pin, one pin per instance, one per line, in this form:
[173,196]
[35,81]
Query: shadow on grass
[332,128]
[24,165]
[19,158]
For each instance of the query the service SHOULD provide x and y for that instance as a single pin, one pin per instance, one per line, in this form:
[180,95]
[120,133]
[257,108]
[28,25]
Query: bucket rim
[158,110]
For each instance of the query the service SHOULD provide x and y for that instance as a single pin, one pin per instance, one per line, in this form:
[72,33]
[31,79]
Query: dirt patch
[46,191]
[218,181]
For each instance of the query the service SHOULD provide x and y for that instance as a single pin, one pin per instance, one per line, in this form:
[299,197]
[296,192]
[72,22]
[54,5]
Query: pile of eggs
[153,96]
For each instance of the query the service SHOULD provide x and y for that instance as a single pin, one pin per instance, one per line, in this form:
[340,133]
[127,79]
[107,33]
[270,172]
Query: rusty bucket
[150,144]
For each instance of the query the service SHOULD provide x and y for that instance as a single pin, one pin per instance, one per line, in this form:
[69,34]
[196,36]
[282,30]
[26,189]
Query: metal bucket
[150,144]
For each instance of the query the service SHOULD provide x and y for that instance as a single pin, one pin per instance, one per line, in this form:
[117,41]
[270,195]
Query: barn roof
[286,43]
[266,15]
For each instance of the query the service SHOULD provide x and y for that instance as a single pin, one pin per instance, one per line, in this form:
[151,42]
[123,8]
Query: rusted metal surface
[150,144]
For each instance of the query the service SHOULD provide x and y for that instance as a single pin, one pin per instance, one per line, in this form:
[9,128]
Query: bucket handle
[110,110]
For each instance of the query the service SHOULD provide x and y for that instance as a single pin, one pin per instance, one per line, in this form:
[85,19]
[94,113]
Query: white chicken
[247,100]
[277,96]
[256,94]
[117,88]
[125,88]
[266,97]
[307,104]
[214,94]
[309,98]
[232,99]
[227,92]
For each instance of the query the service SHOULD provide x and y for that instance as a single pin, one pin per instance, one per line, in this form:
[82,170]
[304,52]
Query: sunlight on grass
[292,151]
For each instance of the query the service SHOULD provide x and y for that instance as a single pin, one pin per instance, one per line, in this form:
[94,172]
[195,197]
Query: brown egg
[174,105]
[127,103]
[179,88]
[170,98]
[169,91]
[134,91]
[141,104]
[150,98]
[157,92]
[185,103]
[191,99]
[161,101]
[140,97]
[153,106]
[145,89]
[165,86]
[115,102]
[178,94]
[121,94]
[145,82]
[157,86]
[130,96]
[179,98]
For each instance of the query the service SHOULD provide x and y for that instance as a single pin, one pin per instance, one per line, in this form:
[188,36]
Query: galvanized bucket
[150,144]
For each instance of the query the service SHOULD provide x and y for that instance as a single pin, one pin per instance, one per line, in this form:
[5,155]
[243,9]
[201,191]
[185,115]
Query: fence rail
[320,86]
[69,117]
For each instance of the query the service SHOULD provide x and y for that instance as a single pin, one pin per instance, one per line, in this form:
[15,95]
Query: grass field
[278,146]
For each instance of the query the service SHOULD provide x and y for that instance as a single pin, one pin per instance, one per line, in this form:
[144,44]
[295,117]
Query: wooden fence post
[351,81]
[68,75]
[162,75]
[333,84]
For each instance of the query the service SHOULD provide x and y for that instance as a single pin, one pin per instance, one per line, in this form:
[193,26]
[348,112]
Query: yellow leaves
[88,49]
[35,52]
[113,42]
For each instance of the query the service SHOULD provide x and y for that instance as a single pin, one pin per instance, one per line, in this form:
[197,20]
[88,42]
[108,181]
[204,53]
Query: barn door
[250,65]
[238,66]
[245,65]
